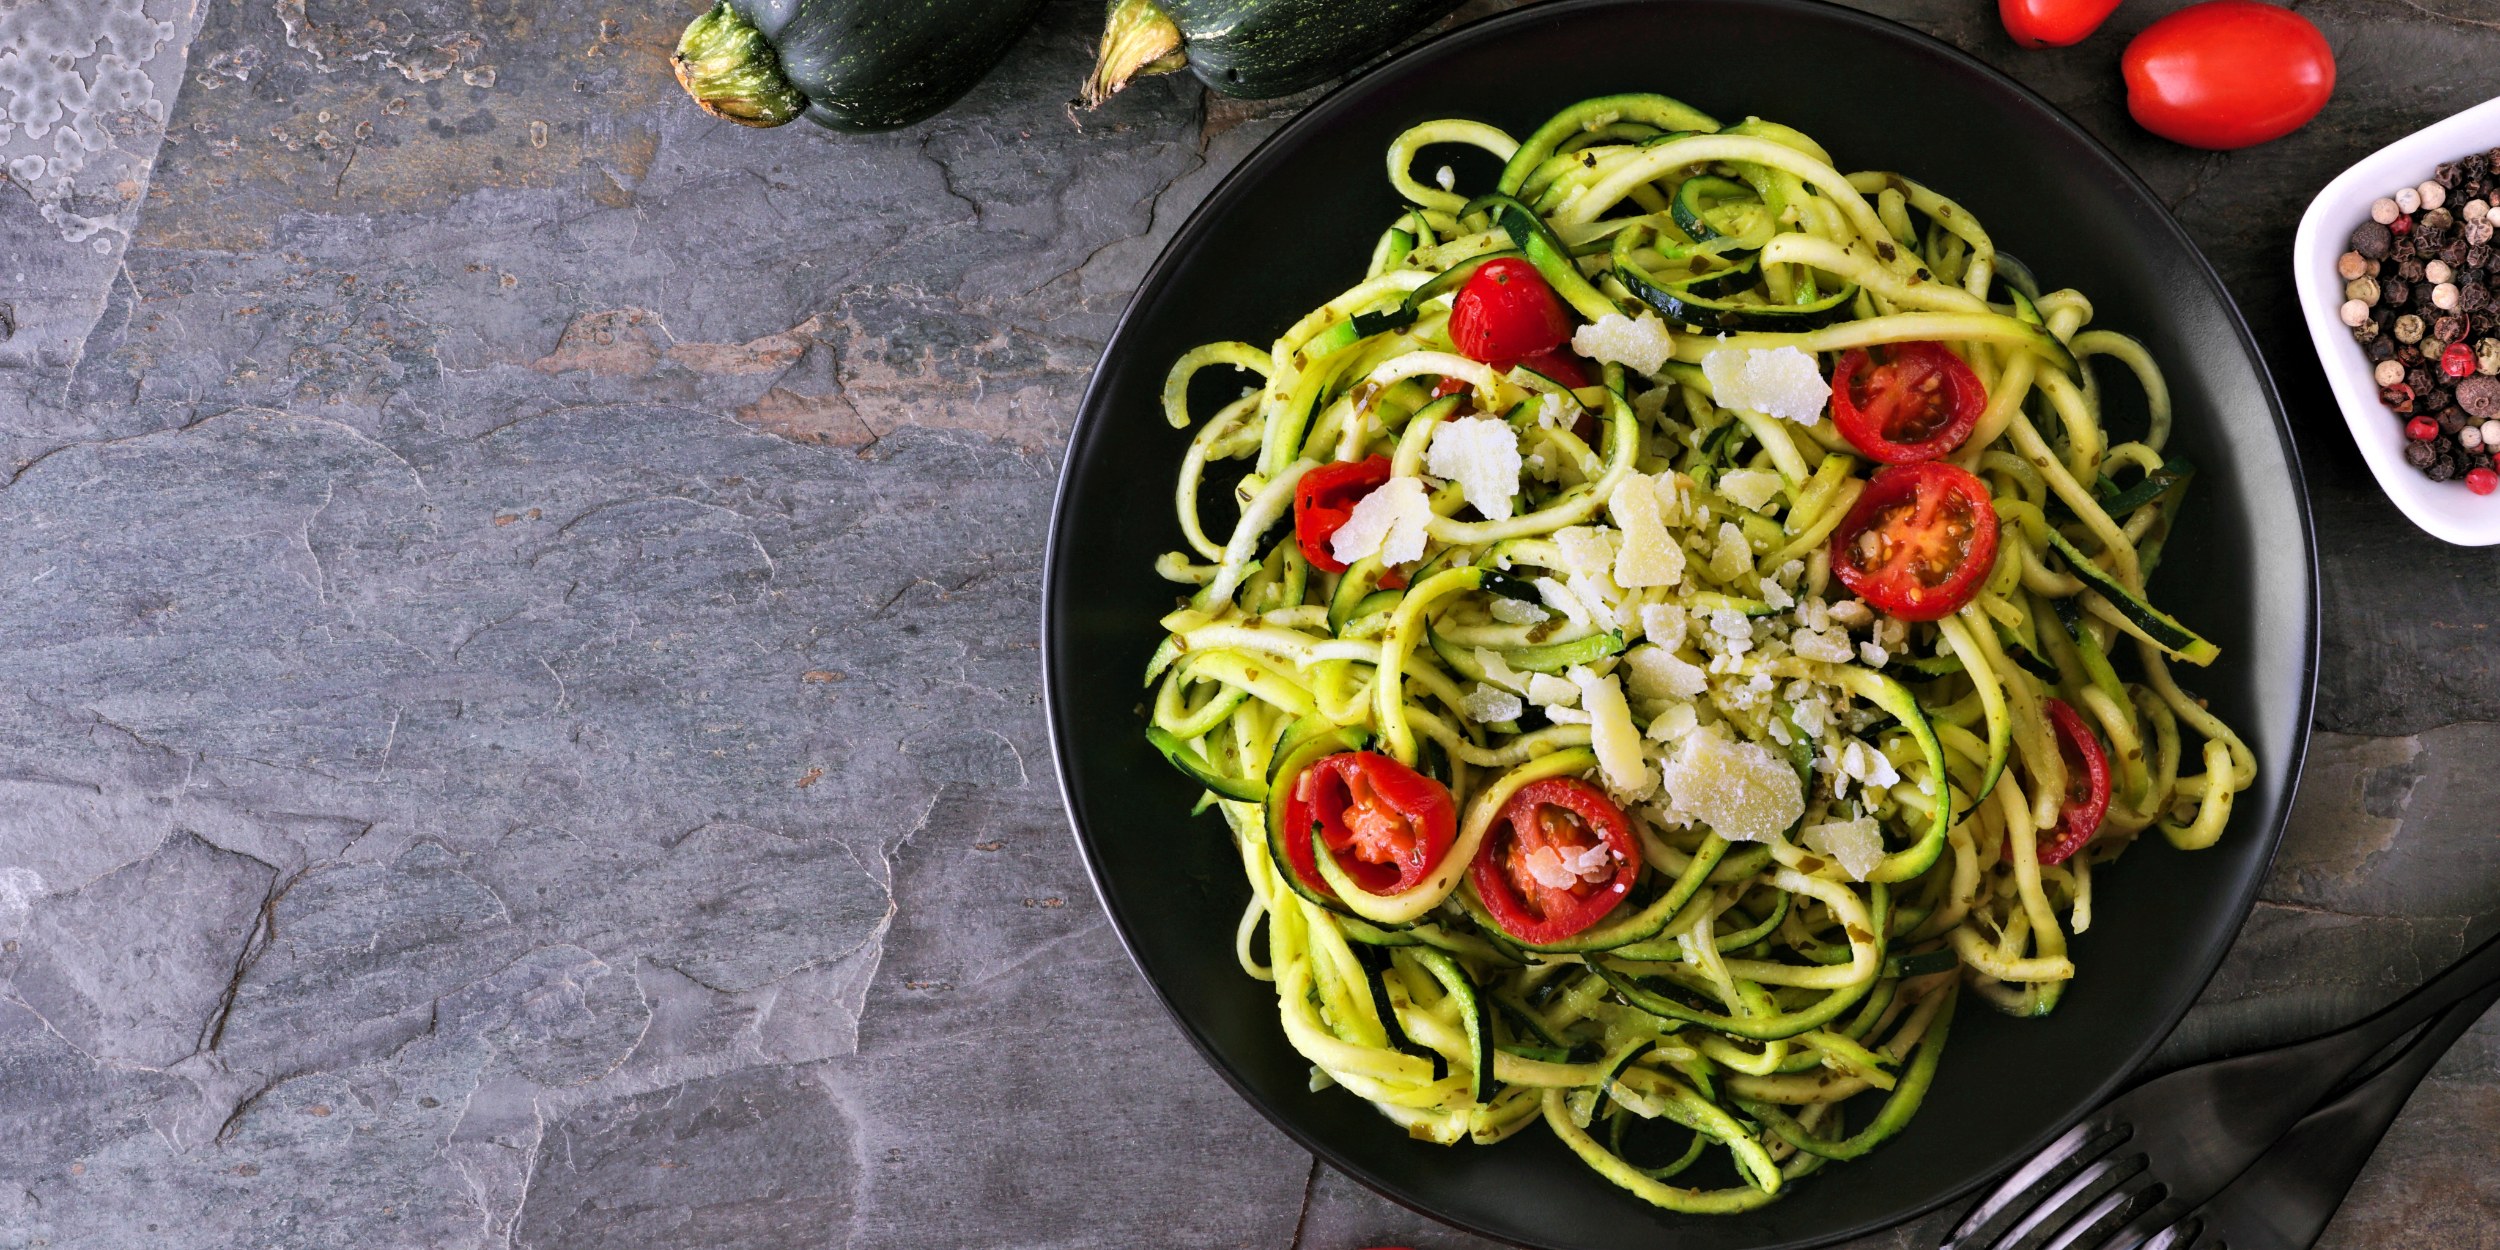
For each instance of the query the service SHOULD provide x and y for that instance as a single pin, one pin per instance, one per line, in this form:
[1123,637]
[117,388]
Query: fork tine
[2100,1223]
[2059,1209]
[2020,1194]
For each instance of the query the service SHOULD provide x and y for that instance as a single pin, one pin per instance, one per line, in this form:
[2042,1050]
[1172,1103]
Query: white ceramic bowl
[2446,509]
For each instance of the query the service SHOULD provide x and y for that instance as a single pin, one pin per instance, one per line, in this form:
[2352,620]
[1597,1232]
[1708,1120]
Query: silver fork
[2154,1153]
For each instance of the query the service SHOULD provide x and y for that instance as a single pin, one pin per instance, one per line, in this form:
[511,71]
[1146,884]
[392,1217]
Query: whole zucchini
[1252,49]
[854,65]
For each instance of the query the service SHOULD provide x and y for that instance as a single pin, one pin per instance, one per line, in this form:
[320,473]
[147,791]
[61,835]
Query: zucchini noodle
[1653,610]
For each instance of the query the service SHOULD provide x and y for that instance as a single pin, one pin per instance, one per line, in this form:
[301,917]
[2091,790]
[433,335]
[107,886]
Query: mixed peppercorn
[2418,294]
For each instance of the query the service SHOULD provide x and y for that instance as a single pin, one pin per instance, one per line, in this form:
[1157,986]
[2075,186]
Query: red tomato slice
[1549,819]
[1505,311]
[2228,73]
[1919,542]
[1385,824]
[1324,498]
[1906,402]
[2087,786]
[2053,23]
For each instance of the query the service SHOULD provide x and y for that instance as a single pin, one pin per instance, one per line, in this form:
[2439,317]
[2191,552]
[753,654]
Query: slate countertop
[518,697]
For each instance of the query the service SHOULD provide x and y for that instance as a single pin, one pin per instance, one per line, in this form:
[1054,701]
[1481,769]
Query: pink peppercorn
[2401,225]
[2457,361]
[2482,481]
[2422,429]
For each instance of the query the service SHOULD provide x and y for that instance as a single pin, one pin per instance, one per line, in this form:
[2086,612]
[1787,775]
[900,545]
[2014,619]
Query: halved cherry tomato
[1324,498]
[2053,23]
[1905,402]
[2228,73]
[1919,542]
[2087,786]
[1385,824]
[1506,312]
[1533,847]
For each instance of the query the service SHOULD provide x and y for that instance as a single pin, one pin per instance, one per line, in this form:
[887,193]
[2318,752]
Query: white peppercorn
[2354,312]
[2437,271]
[2408,200]
[2476,210]
[2433,195]
[2444,296]
[2491,432]
[2470,438]
[2388,372]
[2384,210]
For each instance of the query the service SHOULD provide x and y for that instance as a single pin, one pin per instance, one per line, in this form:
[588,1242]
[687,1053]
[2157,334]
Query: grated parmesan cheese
[1481,454]
[1856,845]
[1518,612]
[1548,691]
[1587,550]
[1487,704]
[1658,673]
[1781,382]
[1732,558]
[1389,523]
[1750,488]
[1640,345]
[1664,625]
[1611,732]
[1650,555]
[1743,790]
[1498,671]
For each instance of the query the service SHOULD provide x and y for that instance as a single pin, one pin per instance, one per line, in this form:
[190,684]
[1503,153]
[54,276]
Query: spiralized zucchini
[1754,984]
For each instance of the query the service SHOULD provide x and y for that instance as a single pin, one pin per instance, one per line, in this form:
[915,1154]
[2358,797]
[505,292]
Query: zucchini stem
[732,72]
[1138,38]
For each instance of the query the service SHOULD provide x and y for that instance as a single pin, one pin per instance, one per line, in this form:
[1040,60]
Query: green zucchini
[1250,49]
[1708,207]
[1244,789]
[1552,657]
[851,65]
[1694,312]
[2155,625]
[1376,964]
[1475,1010]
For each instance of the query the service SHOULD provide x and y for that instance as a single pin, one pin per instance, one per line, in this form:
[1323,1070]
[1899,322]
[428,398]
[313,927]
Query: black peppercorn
[2409,270]
[2435,401]
[2473,297]
[2407,354]
[2378,348]
[2371,240]
[2419,378]
[2453,252]
[2437,220]
[2448,329]
[2403,247]
[2419,454]
[2399,292]
[2443,469]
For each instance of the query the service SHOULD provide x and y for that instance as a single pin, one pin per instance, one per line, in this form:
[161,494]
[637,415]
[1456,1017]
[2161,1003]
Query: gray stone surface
[520,723]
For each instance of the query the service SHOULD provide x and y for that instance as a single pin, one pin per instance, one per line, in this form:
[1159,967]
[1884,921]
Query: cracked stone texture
[522,726]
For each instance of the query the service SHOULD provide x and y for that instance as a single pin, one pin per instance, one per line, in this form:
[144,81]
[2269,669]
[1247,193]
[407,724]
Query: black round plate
[1293,226]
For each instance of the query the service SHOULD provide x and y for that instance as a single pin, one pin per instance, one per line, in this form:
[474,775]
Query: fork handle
[2286,1199]
[2349,1046]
